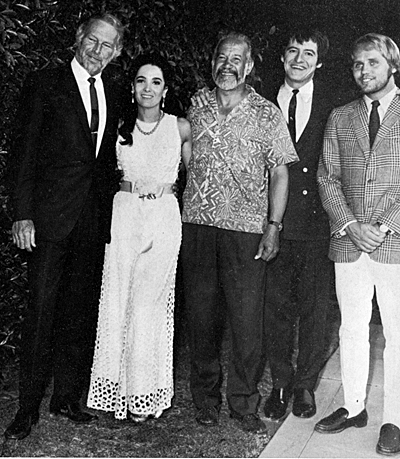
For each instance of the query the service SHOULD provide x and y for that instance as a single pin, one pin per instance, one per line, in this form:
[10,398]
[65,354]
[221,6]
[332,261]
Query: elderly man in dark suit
[359,182]
[62,167]
[299,278]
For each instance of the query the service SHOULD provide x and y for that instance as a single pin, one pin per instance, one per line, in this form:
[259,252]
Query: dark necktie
[373,122]
[292,115]
[94,120]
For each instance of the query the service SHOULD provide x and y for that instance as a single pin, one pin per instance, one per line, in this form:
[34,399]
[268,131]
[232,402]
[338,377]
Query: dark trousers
[60,324]
[298,291]
[221,278]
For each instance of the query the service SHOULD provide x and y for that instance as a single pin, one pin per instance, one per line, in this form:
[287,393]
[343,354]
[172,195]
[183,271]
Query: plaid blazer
[360,183]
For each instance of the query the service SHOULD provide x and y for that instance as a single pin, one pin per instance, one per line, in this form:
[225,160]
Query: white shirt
[303,107]
[81,77]
[383,103]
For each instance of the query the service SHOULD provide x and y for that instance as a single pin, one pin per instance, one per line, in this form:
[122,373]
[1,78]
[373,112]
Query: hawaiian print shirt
[227,183]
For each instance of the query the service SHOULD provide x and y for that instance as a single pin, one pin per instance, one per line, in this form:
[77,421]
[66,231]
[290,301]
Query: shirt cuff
[385,229]
[342,231]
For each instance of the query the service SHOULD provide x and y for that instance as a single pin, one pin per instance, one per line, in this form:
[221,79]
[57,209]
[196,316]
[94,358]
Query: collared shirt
[303,108]
[384,103]
[81,77]
[228,172]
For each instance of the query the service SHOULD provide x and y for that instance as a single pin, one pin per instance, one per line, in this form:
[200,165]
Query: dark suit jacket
[53,161]
[305,219]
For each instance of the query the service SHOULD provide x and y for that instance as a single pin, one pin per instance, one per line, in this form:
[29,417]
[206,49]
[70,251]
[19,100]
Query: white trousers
[355,284]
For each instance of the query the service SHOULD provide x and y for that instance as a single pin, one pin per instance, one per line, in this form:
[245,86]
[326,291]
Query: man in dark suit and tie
[62,172]
[299,278]
[359,182]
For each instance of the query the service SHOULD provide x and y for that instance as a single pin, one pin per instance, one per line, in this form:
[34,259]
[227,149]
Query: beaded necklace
[154,128]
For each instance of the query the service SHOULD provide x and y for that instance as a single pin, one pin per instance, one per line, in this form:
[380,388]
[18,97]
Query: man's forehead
[367,48]
[368,52]
[307,44]
[231,44]
[102,27]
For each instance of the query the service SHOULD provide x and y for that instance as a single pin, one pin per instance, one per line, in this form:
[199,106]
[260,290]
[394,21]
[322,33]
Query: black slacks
[298,291]
[222,279]
[60,324]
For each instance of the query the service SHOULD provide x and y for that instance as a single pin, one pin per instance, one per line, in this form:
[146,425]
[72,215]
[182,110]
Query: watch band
[277,224]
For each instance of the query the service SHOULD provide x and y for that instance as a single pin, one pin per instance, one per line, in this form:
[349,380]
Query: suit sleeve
[22,167]
[390,217]
[329,179]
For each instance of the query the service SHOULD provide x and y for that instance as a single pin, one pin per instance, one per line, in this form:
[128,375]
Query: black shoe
[250,423]
[208,416]
[389,440]
[304,403]
[21,426]
[276,405]
[339,420]
[73,412]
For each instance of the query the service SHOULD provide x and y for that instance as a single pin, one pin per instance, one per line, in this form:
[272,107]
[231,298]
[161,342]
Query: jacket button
[305,169]
[305,192]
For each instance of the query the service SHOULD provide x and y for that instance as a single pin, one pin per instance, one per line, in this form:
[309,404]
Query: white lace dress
[132,366]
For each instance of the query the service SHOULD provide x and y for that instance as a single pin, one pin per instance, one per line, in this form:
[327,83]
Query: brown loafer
[339,420]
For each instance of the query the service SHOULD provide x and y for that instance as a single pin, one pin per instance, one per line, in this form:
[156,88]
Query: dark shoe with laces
[304,403]
[73,412]
[389,440]
[339,420]
[250,423]
[208,416]
[276,405]
[21,426]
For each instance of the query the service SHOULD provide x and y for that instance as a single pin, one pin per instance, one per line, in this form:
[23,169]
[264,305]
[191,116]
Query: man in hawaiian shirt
[234,203]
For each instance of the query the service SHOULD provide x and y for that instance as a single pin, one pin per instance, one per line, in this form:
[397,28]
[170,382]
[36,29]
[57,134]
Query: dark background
[342,20]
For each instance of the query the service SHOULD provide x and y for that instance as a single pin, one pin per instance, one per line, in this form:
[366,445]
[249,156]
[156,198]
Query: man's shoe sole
[386,452]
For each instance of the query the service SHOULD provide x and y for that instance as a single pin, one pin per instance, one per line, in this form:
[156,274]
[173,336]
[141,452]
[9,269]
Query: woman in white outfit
[132,367]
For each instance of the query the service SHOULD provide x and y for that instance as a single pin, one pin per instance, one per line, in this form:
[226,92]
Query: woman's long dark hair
[129,119]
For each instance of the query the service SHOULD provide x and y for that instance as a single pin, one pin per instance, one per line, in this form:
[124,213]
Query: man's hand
[269,244]
[365,236]
[23,234]
[201,98]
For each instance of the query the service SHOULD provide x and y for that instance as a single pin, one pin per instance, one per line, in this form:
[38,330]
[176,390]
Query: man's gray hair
[235,37]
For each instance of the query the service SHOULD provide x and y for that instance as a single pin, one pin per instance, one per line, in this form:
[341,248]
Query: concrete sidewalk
[297,438]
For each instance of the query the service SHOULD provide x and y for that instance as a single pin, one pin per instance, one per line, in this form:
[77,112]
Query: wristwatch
[277,224]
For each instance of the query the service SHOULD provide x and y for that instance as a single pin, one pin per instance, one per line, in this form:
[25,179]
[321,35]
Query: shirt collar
[305,91]
[81,74]
[384,102]
[251,92]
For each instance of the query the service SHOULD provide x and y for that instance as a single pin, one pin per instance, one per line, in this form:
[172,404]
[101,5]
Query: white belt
[150,192]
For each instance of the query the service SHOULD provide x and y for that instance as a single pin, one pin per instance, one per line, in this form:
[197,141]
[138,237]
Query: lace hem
[105,396]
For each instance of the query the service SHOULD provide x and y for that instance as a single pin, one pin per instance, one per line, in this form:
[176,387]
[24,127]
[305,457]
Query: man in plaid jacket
[359,183]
